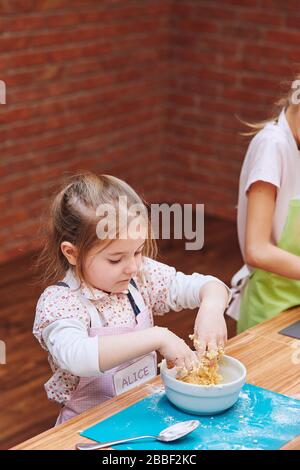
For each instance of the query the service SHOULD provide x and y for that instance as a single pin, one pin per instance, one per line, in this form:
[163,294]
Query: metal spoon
[171,433]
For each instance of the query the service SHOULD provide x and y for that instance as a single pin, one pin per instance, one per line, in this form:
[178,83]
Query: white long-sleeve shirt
[62,320]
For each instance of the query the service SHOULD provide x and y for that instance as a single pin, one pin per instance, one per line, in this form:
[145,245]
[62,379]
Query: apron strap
[135,298]
[132,281]
[134,306]
[93,312]
[61,283]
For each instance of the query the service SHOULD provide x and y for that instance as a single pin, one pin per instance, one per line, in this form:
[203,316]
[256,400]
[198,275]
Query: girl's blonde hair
[283,102]
[73,218]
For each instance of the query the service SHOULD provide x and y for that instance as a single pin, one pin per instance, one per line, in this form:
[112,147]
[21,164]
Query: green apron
[267,294]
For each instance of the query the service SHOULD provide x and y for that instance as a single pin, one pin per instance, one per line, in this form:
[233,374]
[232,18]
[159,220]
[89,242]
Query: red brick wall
[228,58]
[147,90]
[86,86]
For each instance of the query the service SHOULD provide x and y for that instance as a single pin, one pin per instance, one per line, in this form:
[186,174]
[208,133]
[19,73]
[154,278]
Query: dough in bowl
[207,373]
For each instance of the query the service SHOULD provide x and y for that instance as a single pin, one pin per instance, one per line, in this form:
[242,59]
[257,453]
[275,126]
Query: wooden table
[267,356]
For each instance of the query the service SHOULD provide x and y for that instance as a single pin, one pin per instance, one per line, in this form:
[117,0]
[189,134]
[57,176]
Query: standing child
[96,318]
[269,219]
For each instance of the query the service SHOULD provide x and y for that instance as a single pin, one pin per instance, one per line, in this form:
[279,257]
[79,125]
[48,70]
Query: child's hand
[176,351]
[210,328]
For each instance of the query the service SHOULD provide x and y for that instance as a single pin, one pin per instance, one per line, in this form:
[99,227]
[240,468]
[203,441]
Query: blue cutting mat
[260,419]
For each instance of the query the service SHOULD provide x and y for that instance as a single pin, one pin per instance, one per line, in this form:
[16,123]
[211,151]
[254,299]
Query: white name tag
[137,373]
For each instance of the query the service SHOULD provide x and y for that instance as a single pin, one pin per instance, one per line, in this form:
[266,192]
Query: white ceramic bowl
[206,399]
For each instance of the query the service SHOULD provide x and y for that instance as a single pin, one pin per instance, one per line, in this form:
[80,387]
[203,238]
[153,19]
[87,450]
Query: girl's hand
[210,329]
[176,351]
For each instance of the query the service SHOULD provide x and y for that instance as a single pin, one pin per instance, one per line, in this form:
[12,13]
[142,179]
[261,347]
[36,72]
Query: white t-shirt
[273,157]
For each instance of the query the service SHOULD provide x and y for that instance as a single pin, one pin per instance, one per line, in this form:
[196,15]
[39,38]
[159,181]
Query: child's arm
[73,350]
[61,326]
[168,289]
[115,350]
[260,251]
[210,327]
[173,289]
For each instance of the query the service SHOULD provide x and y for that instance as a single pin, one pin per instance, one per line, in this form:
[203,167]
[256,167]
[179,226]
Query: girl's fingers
[212,346]
[188,364]
[225,339]
[195,358]
[191,363]
[170,364]
[195,361]
[179,363]
[221,341]
[200,347]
